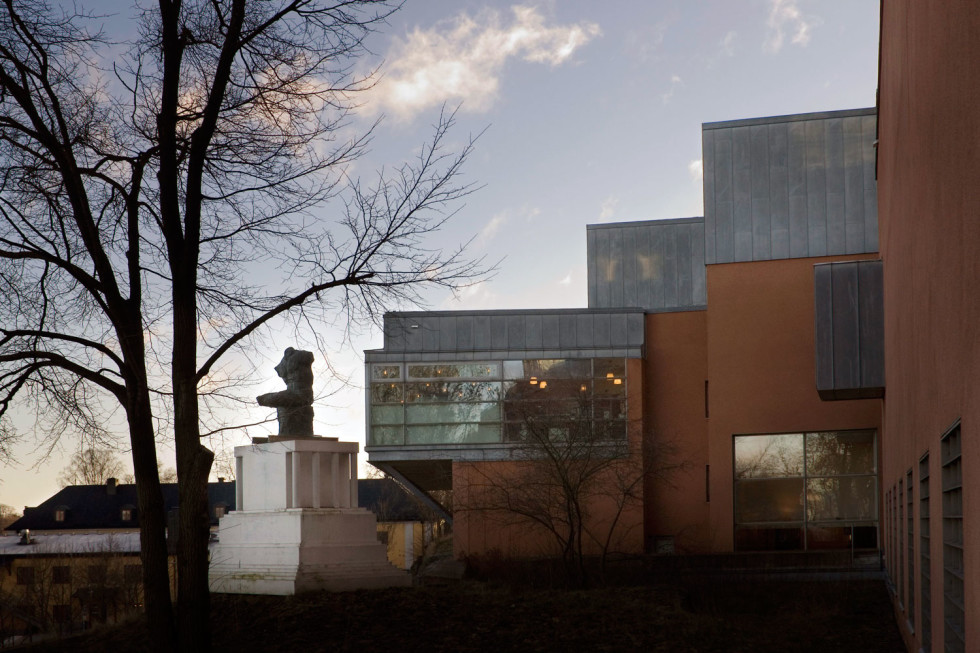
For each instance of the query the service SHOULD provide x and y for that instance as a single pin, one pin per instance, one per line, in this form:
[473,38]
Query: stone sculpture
[294,405]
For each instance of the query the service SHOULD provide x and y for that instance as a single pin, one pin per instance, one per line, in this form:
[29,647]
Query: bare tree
[158,213]
[8,515]
[572,478]
[91,467]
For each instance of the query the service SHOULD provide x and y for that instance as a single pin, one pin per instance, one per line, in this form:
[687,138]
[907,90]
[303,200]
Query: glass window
[809,490]
[452,391]
[453,434]
[387,414]
[382,435]
[126,514]
[454,370]
[435,413]
[469,402]
[769,500]
[610,368]
[836,498]
[59,515]
[840,453]
[386,393]
[953,559]
[61,575]
[767,456]
[385,372]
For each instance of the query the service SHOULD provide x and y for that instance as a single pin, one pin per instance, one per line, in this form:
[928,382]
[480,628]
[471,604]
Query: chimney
[110,486]
[221,479]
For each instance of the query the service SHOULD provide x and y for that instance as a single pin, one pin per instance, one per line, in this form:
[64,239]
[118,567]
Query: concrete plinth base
[298,527]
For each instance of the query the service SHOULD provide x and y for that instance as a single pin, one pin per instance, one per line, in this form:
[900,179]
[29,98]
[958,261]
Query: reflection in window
[496,401]
[806,491]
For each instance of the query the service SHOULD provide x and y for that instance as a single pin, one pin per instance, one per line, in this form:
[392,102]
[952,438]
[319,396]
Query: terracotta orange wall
[674,373]
[478,532]
[929,211]
[761,369]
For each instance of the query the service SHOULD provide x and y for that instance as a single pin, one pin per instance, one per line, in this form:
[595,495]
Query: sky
[589,113]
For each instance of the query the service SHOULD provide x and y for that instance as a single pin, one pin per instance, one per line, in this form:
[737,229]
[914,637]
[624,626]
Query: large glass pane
[551,368]
[845,452]
[455,391]
[454,370]
[605,430]
[453,434]
[544,410]
[610,409]
[769,500]
[610,387]
[383,372]
[604,367]
[766,456]
[379,435]
[386,393]
[452,413]
[387,414]
[841,498]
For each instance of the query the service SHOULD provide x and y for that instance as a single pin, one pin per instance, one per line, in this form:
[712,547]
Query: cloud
[696,168]
[491,228]
[785,16]
[460,59]
[675,81]
[608,209]
[728,44]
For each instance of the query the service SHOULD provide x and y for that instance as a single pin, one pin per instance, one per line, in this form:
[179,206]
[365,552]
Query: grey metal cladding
[849,329]
[498,335]
[656,265]
[790,187]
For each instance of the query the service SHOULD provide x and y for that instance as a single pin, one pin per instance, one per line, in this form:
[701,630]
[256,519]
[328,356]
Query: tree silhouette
[160,206]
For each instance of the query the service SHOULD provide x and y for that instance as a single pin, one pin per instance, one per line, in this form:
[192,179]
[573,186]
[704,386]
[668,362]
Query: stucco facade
[928,166]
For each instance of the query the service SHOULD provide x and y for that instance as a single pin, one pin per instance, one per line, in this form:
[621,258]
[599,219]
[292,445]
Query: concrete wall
[928,167]
[761,370]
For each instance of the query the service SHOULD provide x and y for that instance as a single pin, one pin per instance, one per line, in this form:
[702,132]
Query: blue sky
[592,114]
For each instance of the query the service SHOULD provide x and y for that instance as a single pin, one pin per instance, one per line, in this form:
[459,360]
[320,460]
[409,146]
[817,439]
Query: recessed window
[953,572]
[61,575]
[910,548]
[61,613]
[925,582]
[798,491]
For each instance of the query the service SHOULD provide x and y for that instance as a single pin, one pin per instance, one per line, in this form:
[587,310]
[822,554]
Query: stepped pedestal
[297,526]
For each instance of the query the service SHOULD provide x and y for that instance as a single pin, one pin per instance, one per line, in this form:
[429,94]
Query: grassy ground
[700,614]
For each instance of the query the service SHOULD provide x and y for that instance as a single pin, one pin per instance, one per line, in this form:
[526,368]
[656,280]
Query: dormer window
[126,514]
[59,514]
[220,510]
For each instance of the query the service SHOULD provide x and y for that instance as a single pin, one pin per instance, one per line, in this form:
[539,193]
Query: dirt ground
[703,614]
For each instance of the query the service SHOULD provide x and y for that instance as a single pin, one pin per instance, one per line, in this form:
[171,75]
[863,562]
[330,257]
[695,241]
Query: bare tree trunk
[193,466]
[153,521]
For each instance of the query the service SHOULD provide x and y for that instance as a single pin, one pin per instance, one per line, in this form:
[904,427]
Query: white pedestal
[297,526]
